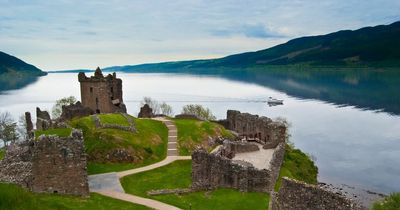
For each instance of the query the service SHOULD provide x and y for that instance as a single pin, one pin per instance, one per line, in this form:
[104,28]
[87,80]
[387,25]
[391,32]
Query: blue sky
[69,34]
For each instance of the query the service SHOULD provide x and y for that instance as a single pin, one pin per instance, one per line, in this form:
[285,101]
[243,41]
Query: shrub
[391,202]
[199,111]
[57,108]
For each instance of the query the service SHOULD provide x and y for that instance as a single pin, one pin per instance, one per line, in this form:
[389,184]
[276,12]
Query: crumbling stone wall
[75,110]
[210,171]
[44,122]
[146,112]
[294,195]
[102,94]
[49,164]
[253,127]
[230,148]
[16,167]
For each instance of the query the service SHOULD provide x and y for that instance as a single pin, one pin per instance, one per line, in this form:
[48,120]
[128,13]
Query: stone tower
[102,94]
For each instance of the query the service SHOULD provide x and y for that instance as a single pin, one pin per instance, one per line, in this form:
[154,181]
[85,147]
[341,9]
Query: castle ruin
[102,94]
[49,164]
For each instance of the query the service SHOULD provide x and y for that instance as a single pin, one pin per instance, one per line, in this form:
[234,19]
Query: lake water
[351,144]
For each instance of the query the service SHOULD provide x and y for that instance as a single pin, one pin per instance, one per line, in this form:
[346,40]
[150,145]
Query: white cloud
[83,34]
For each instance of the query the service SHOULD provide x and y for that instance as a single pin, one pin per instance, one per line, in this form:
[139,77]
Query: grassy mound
[178,175]
[148,145]
[13,197]
[297,165]
[61,132]
[113,119]
[391,202]
[194,132]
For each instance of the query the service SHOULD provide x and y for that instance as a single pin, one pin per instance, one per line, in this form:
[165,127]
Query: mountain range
[377,46]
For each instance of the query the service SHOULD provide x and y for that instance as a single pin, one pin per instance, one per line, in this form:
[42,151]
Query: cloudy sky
[68,34]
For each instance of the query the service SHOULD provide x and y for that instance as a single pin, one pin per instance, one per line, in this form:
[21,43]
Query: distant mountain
[71,71]
[15,73]
[377,46]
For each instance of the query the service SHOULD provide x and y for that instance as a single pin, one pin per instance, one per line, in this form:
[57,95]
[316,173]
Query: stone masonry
[48,164]
[75,110]
[252,127]
[102,94]
[146,112]
[294,195]
[210,171]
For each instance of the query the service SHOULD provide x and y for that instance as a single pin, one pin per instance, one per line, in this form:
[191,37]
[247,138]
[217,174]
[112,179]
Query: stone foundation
[294,195]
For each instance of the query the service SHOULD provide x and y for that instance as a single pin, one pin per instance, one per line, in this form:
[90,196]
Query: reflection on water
[351,145]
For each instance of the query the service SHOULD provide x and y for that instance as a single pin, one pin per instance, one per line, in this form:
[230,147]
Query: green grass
[113,119]
[391,202]
[13,197]
[61,132]
[297,165]
[148,144]
[2,153]
[192,133]
[178,175]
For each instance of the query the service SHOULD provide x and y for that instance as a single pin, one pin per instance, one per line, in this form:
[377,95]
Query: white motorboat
[274,101]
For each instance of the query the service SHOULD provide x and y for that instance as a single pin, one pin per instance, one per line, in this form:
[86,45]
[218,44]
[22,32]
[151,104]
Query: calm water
[351,145]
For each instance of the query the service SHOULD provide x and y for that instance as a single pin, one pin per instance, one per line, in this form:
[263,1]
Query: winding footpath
[108,184]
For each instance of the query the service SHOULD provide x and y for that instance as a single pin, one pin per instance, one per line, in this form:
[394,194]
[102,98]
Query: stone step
[172,146]
[172,152]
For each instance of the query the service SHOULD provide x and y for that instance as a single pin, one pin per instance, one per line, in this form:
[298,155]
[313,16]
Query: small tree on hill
[8,128]
[166,109]
[199,111]
[57,108]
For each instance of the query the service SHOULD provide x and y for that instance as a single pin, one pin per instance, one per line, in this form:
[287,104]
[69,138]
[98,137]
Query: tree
[153,104]
[166,109]
[8,128]
[22,127]
[57,108]
[199,111]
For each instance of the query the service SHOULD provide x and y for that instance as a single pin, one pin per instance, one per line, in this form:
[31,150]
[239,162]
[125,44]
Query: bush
[57,108]
[199,111]
[391,202]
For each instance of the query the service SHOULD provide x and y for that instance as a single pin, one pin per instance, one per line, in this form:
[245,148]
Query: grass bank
[61,132]
[13,197]
[392,202]
[147,145]
[178,175]
[192,133]
[297,165]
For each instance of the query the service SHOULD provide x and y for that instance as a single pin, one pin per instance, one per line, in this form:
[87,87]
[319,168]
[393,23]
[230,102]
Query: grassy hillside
[377,46]
[147,145]
[178,175]
[192,133]
[13,197]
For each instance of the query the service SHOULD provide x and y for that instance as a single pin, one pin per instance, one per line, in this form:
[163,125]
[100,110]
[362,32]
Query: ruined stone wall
[261,129]
[59,165]
[294,195]
[75,110]
[16,167]
[102,94]
[211,171]
[49,164]
[230,148]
